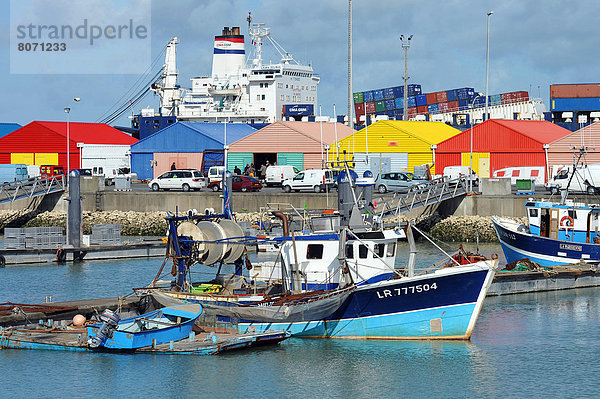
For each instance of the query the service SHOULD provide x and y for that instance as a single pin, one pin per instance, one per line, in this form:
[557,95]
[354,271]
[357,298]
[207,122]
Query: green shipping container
[291,158]
[380,106]
[358,98]
[239,159]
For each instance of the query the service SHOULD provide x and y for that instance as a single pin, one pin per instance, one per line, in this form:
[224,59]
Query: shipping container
[431,98]
[370,107]
[575,104]
[359,109]
[451,95]
[358,98]
[412,102]
[378,95]
[390,114]
[495,99]
[505,98]
[380,105]
[441,97]
[412,111]
[398,91]
[521,95]
[368,96]
[421,99]
[463,104]
[422,109]
[413,89]
[432,108]
[443,107]
[388,94]
[465,93]
[399,101]
[453,106]
[390,105]
[584,90]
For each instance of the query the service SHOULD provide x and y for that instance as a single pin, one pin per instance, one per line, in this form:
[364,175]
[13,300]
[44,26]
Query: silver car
[397,181]
[180,179]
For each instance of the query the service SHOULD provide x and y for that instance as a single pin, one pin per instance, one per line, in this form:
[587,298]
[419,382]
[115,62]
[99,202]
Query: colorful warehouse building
[393,146]
[197,145]
[46,143]
[499,144]
[300,144]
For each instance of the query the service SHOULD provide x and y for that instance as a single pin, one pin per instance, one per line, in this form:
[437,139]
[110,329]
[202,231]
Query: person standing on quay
[173,167]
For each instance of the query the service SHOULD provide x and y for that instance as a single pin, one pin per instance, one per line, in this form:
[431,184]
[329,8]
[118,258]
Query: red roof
[88,133]
[541,131]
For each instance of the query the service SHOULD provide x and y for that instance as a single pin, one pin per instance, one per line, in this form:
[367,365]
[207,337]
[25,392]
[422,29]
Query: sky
[532,44]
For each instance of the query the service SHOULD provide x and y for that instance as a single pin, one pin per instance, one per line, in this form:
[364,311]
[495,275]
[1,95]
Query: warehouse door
[484,167]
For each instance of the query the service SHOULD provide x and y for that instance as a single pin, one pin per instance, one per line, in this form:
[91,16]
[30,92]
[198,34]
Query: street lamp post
[405,46]
[68,112]
[472,116]
[487,62]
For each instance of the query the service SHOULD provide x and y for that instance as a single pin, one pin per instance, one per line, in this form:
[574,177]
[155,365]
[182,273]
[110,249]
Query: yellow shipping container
[412,138]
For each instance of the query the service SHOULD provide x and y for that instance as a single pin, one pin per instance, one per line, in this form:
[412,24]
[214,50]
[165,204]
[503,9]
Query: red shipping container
[443,107]
[505,97]
[441,96]
[421,109]
[412,111]
[370,107]
[359,109]
[575,90]
[431,98]
[452,106]
[521,95]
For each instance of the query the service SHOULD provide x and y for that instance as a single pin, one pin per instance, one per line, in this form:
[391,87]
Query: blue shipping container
[495,99]
[464,93]
[299,110]
[575,104]
[368,96]
[378,94]
[399,103]
[432,108]
[398,112]
[388,93]
[390,113]
[413,90]
[390,105]
[399,91]
[421,99]
[463,104]
[451,95]
[412,102]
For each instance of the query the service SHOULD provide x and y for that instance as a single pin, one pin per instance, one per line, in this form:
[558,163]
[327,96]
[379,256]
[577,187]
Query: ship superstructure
[240,89]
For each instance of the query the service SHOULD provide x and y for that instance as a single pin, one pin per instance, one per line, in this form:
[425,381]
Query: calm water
[535,345]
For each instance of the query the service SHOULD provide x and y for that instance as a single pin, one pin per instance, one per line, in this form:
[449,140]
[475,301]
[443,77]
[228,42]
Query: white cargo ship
[240,89]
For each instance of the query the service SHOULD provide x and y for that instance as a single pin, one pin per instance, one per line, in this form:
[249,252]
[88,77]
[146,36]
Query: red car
[239,183]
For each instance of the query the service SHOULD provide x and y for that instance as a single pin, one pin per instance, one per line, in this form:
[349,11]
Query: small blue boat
[169,324]
[556,234]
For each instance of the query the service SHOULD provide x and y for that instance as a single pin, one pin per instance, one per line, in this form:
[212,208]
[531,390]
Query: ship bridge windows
[314,251]
[363,251]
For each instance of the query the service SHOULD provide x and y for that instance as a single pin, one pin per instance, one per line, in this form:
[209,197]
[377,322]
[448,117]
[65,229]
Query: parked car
[215,173]
[183,179]
[276,174]
[586,179]
[316,180]
[239,183]
[398,181]
[460,172]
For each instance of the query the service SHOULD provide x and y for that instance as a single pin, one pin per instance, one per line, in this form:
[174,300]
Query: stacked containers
[422,109]
[390,105]
[420,100]
[399,91]
[451,95]
[412,102]
[465,93]
[388,94]
[413,89]
[370,107]
[380,105]
[358,98]
[399,101]
[575,97]
[359,109]
[378,95]
[495,99]
[432,108]
[441,97]
[431,98]
[453,105]
[443,107]
[368,96]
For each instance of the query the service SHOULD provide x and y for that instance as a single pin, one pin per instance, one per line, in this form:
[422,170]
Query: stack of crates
[14,238]
[44,237]
[103,234]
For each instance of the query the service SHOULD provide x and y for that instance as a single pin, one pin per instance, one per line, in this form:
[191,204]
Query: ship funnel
[229,54]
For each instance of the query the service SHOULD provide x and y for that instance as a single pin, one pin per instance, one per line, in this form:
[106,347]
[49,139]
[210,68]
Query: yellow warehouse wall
[466,160]
[26,158]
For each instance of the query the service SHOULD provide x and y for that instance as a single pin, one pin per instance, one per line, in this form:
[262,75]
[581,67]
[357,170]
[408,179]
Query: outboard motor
[109,320]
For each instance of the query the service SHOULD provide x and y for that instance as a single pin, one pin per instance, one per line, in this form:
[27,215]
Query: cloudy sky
[532,45]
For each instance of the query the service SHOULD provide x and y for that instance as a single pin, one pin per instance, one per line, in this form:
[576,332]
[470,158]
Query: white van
[459,171]
[316,180]
[586,179]
[276,174]
[536,173]
[215,173]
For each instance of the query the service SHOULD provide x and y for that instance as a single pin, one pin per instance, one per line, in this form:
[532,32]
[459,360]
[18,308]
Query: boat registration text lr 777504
[413,289]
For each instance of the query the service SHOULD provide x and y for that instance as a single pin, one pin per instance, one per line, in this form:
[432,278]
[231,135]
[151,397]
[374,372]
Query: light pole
[472,115]
[487,62]
[68,112]
[405,46]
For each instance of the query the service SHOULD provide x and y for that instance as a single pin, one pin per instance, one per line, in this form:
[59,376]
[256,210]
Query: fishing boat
[172,323]
[557,233]
[337,281]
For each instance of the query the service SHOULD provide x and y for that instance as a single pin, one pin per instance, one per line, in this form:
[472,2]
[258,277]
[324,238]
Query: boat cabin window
[363,251]
[314,251]
[391,249]
[533,213]
[573,214]
[349,251]
[379,250]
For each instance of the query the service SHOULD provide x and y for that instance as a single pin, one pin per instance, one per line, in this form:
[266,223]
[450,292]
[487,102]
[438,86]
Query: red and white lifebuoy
[567,223]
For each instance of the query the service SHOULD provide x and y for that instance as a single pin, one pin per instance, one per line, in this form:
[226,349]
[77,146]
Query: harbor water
[528,345]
